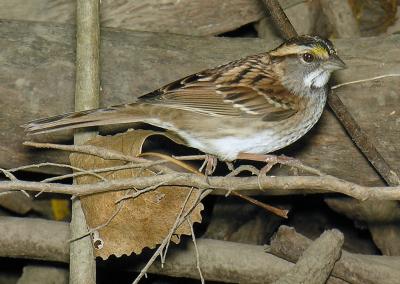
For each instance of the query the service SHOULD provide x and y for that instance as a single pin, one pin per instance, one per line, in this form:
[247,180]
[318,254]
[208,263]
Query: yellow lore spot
[320,51]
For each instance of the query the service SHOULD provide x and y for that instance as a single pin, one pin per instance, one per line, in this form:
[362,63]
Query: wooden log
[317,261]
[361,211]
[354,268]
[382,218]
[219,260]
[34,238]
[43,274]
[16,202]
[190,17]
[37,76]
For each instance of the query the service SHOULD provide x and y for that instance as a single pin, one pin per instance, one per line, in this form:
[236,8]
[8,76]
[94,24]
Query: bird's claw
[209,165]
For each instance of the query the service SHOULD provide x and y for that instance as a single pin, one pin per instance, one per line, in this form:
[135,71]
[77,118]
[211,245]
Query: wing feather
[243,88]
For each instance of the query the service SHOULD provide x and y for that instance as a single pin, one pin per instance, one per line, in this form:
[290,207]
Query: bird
[257,105]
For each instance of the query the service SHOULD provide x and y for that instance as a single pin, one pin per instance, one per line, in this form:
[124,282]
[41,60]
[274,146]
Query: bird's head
[307,61]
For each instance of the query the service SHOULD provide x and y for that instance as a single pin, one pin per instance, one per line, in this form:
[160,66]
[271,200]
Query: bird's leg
[209,165]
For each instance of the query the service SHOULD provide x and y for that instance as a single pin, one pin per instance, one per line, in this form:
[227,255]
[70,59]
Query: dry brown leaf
[142,222]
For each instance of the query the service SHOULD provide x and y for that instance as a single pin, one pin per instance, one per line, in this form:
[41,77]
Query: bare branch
[277,211]
[100,152]
[282,183]
[280,19]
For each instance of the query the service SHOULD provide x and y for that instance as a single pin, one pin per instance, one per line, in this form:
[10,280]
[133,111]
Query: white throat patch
[317,78]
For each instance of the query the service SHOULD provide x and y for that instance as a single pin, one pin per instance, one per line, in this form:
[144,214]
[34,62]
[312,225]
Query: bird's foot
[209,165]
[271,161]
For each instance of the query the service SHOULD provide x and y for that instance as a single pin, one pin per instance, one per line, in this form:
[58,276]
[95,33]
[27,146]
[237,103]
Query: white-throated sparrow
[257,104]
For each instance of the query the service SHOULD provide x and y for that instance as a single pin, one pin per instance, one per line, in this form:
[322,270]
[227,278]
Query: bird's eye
[308,57]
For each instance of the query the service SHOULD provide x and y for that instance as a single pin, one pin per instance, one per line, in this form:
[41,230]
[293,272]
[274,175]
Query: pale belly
[228,148]
[261,141]
[226,139]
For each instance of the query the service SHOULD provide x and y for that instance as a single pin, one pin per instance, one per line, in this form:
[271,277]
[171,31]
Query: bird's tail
[103,116]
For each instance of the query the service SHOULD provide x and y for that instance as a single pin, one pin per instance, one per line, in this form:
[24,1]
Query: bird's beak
[335,63]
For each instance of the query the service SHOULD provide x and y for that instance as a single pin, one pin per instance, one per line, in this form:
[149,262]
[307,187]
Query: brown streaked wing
[243,88]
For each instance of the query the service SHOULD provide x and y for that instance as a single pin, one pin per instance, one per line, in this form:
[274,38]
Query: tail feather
[87,118]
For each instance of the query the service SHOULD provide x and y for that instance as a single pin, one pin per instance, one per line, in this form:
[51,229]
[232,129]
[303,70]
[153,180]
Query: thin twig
[167,158]
[203,165]
[164,242]
[8,174]
[190,224]
[190,157]
[180,214]
[118,209]
[103,170]
[79,172]
[140,192]
[100,152]
[277,211]
[364,80]
[12,177]
[202,194]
